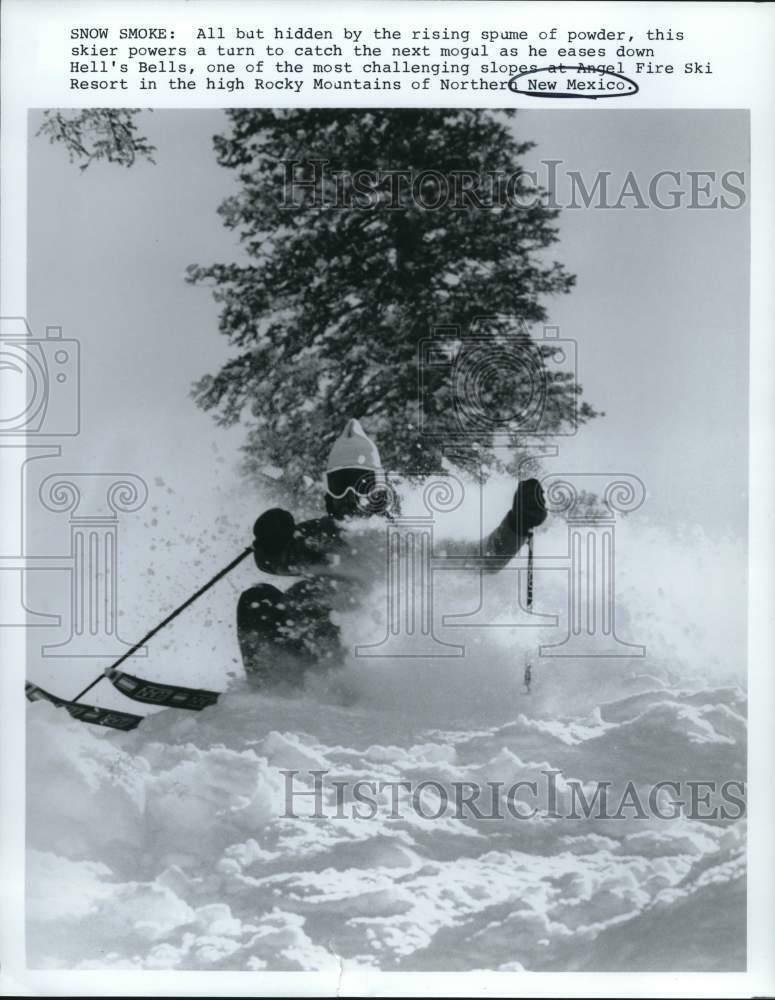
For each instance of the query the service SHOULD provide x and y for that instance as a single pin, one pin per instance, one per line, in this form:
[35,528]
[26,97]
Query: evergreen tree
[92,134]
[346,272]
[363,232]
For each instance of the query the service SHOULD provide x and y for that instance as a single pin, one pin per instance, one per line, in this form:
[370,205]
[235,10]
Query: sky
[659,312]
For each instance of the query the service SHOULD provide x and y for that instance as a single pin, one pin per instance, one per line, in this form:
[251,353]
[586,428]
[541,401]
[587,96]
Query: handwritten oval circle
[595,79]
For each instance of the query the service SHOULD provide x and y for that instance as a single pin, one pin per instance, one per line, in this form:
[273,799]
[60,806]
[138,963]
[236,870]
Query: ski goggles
[362,484]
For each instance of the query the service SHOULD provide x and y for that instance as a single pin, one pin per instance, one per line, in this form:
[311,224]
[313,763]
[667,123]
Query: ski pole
[174,614]
[528,675]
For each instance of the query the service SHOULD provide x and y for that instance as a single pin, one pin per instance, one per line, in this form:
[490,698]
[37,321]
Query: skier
[338,557]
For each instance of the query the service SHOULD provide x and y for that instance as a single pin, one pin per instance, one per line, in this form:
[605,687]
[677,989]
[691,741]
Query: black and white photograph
[468,391]
[377,523]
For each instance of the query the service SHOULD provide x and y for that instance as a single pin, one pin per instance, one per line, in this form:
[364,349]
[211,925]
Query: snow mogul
[338,558]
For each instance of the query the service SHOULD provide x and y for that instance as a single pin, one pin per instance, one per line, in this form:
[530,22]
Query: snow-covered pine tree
[362,231]
[348,266]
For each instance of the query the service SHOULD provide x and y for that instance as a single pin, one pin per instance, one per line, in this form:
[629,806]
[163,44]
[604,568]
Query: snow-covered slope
[173,846]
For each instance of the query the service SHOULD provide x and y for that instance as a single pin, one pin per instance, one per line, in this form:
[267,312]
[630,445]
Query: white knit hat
[353,450]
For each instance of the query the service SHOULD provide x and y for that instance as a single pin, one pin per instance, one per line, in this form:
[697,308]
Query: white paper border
[741,40]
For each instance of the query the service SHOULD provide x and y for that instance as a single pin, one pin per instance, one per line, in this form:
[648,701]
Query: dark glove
[529,507]
[272,532]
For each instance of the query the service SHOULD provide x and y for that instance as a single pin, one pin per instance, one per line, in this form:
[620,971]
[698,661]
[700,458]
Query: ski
[108,717]
[155,693]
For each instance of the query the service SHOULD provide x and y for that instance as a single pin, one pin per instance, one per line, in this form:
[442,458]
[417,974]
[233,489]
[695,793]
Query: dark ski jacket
[353,552]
